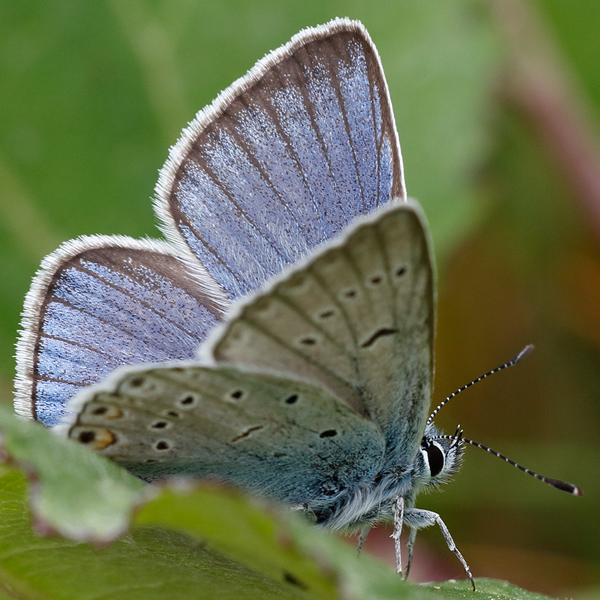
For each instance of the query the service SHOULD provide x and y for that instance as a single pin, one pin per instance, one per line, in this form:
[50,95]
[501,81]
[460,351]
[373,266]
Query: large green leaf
[186,561]
[148,563]
[189,541]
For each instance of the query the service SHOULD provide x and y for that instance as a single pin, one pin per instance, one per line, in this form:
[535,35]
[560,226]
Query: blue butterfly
[296,264]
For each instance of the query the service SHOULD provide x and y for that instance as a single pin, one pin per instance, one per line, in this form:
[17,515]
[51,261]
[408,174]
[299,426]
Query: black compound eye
[435,457]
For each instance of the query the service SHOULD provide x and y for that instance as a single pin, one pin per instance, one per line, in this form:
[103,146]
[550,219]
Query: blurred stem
[152,46]
[540,86]
[20,216]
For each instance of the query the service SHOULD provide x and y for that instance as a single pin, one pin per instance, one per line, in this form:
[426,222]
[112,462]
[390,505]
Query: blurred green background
[497,106]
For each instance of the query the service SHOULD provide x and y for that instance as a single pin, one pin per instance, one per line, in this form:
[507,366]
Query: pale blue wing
[284,159]
[356,318]
[281,438]
[98,303]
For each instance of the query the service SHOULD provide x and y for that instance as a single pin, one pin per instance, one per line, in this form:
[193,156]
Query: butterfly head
[439,457]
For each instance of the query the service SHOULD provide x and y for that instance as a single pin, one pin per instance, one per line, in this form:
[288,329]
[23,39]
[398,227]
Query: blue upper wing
[98,303]
[284,158]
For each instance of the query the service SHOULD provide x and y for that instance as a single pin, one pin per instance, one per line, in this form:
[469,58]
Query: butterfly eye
[435,458]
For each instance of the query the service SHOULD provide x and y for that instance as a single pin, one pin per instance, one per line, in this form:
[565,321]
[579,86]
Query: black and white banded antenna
[458,438]
[509,363]
[556,483]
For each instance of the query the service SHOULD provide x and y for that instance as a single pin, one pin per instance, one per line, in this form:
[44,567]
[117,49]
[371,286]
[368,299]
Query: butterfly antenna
[509,363]
[457,437]
[560,485]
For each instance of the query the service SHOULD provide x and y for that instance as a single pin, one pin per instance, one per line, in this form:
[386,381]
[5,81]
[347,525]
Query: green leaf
[487,589]
[256,534]
[148,563]
[365,577]
[187,538]
[74,492]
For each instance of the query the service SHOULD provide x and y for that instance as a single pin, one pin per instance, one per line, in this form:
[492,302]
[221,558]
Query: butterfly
[281,339]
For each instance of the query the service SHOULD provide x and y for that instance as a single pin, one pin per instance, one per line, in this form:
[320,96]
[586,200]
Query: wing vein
[242,142]
[136,299]
[309,109]
[218,257]
[338,93]
[275,118]
[75,343]
[218,184]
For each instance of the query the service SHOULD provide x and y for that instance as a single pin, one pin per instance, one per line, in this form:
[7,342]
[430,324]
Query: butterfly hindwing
[279,437]
[284,159]
[357,318]
[98,303]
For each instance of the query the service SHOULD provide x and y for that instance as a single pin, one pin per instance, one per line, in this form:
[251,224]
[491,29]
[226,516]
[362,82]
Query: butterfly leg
[417,518]
[398,520]
[362,538]
[410,545]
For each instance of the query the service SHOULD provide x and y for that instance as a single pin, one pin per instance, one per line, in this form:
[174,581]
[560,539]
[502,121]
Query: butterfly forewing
[99,303]
[358,318]
[285,158]
[279,437]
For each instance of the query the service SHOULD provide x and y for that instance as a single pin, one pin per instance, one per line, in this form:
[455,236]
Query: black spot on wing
[379,333]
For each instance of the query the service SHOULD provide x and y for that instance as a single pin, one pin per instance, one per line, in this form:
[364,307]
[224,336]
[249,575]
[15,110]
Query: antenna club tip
[566,487]
[524,353]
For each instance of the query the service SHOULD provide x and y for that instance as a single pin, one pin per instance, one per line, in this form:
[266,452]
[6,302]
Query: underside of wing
[282,438]
[98,303]
[358,318]
[284,158]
